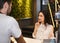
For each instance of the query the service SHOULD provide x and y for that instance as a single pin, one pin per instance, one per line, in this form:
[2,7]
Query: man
[8,25]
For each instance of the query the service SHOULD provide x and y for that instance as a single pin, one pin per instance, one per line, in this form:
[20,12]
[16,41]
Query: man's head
[5,6]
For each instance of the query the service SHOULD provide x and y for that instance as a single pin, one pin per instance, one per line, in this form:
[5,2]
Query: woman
[43,30]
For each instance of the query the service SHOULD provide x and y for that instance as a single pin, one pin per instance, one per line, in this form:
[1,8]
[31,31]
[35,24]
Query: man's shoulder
[10,18]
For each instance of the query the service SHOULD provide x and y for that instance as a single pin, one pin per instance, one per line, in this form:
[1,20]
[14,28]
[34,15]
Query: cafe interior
[26,13]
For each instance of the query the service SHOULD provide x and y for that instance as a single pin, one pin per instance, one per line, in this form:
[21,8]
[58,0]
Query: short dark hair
[47,17]
[3,1]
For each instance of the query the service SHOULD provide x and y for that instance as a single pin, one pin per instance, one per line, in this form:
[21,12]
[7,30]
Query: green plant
[22,9]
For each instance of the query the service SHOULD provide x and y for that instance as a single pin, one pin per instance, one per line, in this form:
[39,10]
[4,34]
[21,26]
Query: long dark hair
[47,17]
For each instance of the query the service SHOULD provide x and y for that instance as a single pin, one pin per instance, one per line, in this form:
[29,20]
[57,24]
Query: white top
[43,31]
[8,27]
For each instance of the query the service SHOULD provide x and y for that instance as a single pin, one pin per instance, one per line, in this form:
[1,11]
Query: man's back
[4,29]
[7,28]
[8,25]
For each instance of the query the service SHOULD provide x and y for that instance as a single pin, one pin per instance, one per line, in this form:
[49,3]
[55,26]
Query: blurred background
[26,13]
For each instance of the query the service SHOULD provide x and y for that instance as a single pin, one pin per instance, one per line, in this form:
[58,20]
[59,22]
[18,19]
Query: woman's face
[41,17]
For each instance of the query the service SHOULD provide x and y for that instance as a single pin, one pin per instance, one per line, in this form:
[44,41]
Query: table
[30,40]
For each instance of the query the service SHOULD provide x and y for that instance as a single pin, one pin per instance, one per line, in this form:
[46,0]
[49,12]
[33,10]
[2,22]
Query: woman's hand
[35,29]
